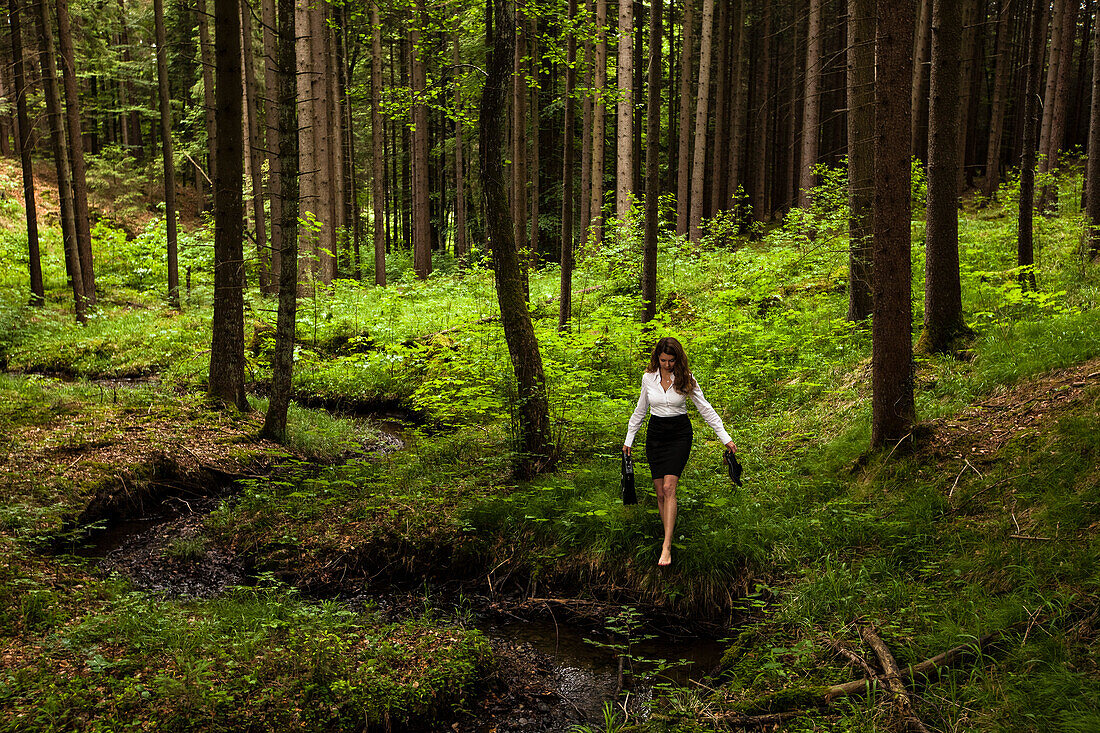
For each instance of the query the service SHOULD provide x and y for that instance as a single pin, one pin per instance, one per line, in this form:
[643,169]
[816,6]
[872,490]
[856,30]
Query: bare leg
[666,508]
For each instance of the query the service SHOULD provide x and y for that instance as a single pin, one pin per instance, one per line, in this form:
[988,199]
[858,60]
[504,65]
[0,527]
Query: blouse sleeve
[636,419]
[709,414]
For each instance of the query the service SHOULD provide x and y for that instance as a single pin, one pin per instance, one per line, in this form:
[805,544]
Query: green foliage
[257,658]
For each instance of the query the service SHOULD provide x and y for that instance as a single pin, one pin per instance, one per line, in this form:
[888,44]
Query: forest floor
[166,568]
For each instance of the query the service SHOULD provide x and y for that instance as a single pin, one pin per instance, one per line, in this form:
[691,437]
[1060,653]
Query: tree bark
[519,140]
[1036,39]
[652,164]
[1092,182]
[167,154]
[307,150]
[226,383]
[919,93]
[1057,129]
[624,169]
[811,106]
[565,289]
[282,368]
[719,158]
[761,113]
[76,153]
[255,149]
[422,240]
[462,242]
[207,55]
[587,136]
[533,140]
[61,158]
[861,154]
[378,184]
[536,450]
[272,114]
[892,405]
[1001,76]
[702,104]
[599,123]
[943,320]
[24,135]
[734,186]
[1051,88]
[683,165]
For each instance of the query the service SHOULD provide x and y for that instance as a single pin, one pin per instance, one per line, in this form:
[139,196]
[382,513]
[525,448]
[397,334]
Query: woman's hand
[731,446]
[626,449]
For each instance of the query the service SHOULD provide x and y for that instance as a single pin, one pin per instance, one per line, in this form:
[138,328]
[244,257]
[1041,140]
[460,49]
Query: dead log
[892,680]
[800,698]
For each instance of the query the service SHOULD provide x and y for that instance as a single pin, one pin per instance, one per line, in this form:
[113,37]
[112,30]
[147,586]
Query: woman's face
[667,361]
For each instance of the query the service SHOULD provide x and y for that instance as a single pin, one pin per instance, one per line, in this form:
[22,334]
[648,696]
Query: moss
[793,698]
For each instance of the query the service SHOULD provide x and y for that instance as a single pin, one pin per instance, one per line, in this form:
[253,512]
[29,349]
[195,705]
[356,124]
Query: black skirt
[667,444]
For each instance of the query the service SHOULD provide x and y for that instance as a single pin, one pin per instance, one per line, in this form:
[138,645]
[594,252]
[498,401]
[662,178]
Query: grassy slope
[822,537]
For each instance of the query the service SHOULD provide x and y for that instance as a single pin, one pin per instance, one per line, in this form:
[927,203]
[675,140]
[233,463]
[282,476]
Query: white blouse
[669,403]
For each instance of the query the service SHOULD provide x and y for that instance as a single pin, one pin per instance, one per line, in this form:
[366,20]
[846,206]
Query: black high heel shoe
[733,465]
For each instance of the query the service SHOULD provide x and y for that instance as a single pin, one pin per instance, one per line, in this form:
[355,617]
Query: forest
[322,322]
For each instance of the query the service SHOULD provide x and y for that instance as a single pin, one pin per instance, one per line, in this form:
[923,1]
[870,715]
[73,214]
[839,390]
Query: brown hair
[683,381]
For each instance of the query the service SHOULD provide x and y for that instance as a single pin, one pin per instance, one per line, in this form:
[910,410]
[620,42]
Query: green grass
[822,536]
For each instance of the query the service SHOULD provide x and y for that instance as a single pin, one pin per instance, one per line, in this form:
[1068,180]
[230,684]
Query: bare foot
[666,558]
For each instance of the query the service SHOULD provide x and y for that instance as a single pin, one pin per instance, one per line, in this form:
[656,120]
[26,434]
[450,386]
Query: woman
[666,385]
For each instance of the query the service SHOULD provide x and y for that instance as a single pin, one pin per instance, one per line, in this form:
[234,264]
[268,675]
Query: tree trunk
[761,111]
[24,135]
[652,164]
[536,449]
[565,289]
[462,243]
[323,131]
[1058,105]
[422,239]
[378,184]
[702,104]
[6,121]
[272,114]
[168,156]
[719,160]
[735,158]
[1092,182]
[519,140]
[307,151]
[1051,87]
[587,135]
[282,368]
[61,158]
[255,150]
[76,153]
[811,106]
[919,96]
[207,56]
[226,383]
[683,165]
[599,124]
[533,139]
[943,320]
[624,168]
[968,59]
[1001,76]
[861,154]
[1025,250]
[892,405]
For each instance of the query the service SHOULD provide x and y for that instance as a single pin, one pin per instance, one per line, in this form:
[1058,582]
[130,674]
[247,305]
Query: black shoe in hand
[734,466]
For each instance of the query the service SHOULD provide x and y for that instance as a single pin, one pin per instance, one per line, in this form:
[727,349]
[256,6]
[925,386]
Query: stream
[553,673]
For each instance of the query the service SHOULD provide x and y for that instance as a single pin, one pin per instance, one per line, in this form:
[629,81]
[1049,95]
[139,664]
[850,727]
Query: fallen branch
[851,656]
[800,698]
[893,682]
